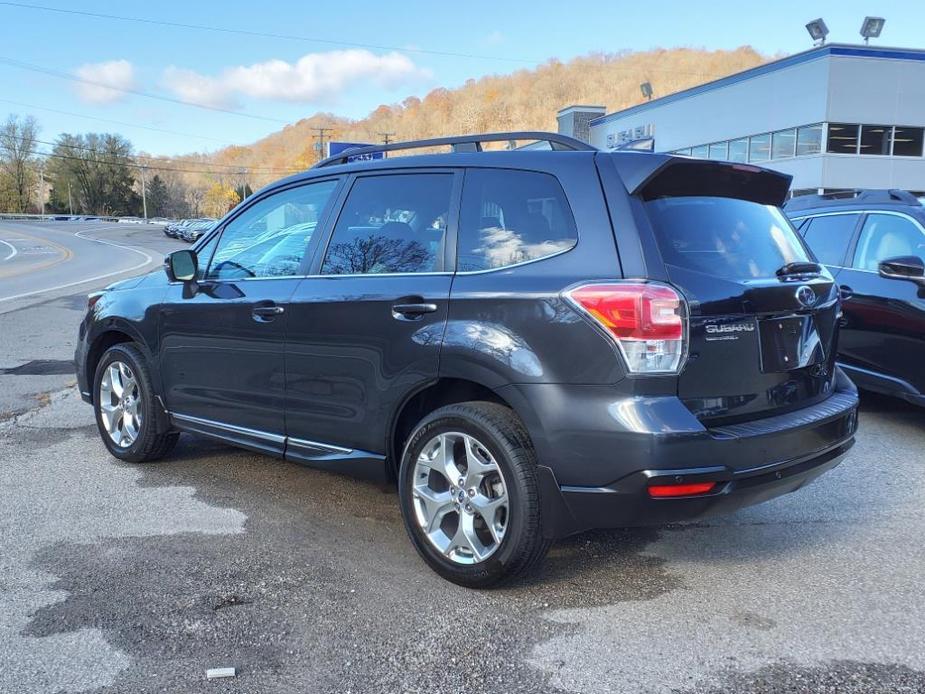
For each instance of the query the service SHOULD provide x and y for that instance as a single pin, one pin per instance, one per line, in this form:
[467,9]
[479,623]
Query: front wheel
[469,496]
[125,407]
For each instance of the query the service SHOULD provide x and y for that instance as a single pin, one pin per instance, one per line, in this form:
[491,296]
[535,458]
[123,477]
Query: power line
[315,39]
[117,122]
[160,97]
[264,34]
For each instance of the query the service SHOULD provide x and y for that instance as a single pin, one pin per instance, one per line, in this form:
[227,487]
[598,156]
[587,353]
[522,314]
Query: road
[137,578]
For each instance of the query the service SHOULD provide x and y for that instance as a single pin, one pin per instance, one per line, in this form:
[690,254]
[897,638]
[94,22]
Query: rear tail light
[664,491]
[647,321]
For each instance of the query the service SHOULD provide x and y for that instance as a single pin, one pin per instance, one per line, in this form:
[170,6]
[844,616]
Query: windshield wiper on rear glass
[800,267]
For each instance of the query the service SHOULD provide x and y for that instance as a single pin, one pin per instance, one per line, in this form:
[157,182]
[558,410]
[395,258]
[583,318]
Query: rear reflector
[661,491]
[646,320]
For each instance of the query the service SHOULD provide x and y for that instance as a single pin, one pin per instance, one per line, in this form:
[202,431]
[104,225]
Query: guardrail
[80,218]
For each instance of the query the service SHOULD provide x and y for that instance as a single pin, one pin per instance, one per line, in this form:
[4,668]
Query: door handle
[845,292]
[413,309]
[265,313]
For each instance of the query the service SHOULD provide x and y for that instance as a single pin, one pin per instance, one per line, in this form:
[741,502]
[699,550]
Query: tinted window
[700,152]
[204,255]
[828,237]
[759,147]
[783,143]
[907,142]
[738,150]
[875,139]
[843,138]
[887,236]
[510,217]
[393,223]
[724,237]
[809,140]
[269,238]
[718,150]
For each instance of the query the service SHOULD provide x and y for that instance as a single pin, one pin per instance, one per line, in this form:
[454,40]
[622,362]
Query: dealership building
[836,117]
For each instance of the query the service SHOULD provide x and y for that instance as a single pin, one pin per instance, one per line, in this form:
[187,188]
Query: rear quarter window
[510,217]
[725,237]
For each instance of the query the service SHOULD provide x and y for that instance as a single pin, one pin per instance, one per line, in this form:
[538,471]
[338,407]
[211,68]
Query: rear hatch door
[763,314]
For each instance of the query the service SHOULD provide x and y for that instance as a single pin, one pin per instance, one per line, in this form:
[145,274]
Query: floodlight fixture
[646,89]
[872,27]
[817,30]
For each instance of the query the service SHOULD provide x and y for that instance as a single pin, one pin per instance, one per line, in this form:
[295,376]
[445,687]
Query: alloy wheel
[460,498]
[120,404]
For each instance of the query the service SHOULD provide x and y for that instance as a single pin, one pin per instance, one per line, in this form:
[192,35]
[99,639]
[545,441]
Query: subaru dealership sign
[340,147]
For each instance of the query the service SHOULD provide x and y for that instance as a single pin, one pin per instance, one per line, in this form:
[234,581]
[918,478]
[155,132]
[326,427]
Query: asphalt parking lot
[122,578]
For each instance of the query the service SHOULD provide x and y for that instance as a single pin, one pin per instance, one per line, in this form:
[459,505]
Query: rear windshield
[725,237]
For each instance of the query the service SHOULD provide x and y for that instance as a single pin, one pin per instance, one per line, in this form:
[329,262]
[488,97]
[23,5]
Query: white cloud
[314,77]
[112,73]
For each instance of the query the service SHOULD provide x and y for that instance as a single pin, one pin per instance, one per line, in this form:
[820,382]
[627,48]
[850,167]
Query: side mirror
[181,266]
[906,267]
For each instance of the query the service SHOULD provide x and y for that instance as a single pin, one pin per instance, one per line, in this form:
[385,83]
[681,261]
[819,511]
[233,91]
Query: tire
[474,540]
[135,380]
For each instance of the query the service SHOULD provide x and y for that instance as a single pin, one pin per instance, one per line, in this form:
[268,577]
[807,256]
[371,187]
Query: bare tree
[17,159]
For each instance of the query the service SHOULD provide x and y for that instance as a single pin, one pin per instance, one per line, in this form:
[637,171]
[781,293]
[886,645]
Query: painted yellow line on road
[66,254]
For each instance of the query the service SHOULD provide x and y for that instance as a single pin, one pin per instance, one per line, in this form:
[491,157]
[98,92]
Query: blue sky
[281,80]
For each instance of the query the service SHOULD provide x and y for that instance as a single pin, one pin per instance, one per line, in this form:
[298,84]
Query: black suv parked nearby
[873,243]
[531,343]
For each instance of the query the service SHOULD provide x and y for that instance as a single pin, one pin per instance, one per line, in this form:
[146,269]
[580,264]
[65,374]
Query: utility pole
[70,201]
[144,196]
[243,173]
[319,135]
[386,139]
[42,187]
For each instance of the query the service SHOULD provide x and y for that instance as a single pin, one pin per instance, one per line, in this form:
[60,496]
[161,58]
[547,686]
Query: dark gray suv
[529,342]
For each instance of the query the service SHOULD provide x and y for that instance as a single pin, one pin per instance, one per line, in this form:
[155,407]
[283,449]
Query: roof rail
[870,195]
[463,143]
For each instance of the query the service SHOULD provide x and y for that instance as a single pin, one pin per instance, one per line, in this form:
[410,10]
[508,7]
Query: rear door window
[510,217]
[829,236]
[888,236]
[725,237]
[393,223]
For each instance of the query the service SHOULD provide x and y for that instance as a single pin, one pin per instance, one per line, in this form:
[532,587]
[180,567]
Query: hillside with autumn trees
[522,100]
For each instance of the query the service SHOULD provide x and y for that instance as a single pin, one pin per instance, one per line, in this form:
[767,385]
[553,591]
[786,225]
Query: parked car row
[189,230]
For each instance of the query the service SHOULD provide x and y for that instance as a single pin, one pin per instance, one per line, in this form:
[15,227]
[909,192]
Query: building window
[809,140]
[843,138]
[738,150]
[783,144]
[759,147]
[701,152]
[907,142]
[875,139]
[718,151]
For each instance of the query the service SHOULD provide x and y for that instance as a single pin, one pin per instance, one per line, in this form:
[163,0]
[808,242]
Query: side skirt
[314,454]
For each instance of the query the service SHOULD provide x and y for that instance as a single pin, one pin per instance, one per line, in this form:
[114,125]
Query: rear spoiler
[652,176]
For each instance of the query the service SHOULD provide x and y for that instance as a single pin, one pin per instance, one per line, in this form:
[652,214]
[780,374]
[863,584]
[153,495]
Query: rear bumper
[595,473]
[628,503]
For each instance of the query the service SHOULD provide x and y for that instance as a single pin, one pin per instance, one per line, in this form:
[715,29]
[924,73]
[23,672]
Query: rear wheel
[125,407]
[469,496]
